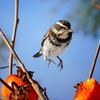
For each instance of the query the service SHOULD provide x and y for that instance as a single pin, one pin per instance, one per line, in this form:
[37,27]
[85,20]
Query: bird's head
[62,29]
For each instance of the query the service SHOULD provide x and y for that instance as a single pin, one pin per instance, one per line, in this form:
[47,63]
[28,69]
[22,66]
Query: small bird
[55,41]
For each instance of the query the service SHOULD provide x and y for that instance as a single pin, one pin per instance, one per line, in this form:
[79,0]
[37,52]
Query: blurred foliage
[88,18]
[84,15]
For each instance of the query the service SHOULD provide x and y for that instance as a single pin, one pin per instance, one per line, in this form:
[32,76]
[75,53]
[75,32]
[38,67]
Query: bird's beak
[70,30]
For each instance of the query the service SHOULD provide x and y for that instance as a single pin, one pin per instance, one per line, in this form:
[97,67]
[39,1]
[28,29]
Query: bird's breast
[52,48]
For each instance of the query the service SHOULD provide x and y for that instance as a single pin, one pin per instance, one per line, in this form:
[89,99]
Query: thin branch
[16,20]
[34,85]
[6,85]
[94,61]
[7,66]
[47,98]
[96,4]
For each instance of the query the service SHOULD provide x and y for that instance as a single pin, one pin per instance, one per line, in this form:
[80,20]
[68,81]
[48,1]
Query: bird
[55,41]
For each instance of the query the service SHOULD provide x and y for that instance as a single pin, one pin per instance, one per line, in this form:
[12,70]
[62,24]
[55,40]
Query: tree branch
[3,82]
[96,4]
[94,61]
[16,20]
[34,85]
[6,66]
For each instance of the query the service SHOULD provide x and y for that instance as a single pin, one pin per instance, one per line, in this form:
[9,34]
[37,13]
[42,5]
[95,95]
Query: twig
[6,85]
[94,61]
[16,20]
[47,98]
[34,85]
[96,4]
[7,66]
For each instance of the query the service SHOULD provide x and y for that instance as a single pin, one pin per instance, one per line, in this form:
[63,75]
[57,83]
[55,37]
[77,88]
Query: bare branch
[7,66]
[94,61]
[16,20]
[47,98]
[34,85]
[3,82]
[96,4]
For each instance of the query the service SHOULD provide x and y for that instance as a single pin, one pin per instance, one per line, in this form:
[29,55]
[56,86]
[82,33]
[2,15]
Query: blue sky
[34,21]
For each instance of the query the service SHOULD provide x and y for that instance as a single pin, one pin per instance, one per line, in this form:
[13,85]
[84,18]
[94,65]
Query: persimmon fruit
[32,95]
[87,90]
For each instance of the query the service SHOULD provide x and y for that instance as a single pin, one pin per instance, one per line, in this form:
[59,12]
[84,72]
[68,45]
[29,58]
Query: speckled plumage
[55,41]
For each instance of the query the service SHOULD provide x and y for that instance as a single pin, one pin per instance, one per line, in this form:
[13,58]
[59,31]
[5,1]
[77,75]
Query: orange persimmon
[14,78]
[87,90]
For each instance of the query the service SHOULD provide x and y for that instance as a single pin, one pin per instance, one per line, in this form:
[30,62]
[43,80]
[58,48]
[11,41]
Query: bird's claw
[60,64]
[49,61]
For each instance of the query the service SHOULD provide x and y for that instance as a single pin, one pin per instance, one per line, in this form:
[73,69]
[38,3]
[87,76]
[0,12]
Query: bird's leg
[60,63]
[49,60]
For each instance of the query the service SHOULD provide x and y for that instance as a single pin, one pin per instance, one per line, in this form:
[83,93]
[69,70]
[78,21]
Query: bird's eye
[63,28]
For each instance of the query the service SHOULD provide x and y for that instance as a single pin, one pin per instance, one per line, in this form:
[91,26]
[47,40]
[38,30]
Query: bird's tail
[37,55]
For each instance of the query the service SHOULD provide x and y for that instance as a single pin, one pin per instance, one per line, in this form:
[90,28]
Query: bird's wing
[45,36]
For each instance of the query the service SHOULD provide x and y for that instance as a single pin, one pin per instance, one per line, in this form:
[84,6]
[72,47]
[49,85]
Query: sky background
[35,18]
